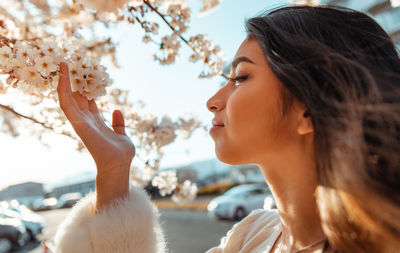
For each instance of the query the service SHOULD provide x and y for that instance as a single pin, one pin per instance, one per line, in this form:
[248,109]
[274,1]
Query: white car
[33,222]
[68,199]
[240,201]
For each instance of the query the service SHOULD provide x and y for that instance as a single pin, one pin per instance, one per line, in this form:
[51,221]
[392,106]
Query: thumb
[118,122]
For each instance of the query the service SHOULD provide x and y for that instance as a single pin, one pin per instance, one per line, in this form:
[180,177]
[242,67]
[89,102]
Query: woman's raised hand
[111,149]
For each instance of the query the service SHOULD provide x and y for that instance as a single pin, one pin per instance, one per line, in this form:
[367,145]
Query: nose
[216,102]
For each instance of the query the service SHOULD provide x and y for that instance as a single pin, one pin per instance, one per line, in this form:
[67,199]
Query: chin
[231,158]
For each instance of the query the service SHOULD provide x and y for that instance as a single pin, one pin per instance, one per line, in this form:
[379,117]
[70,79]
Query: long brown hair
[345,69]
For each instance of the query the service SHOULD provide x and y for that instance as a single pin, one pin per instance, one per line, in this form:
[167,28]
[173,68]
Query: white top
[257,233]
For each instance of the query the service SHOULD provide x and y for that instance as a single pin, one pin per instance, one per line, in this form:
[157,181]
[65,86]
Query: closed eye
[237,80]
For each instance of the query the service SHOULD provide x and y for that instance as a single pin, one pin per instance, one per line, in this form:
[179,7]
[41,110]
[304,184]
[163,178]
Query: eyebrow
[234,64]
[239,60]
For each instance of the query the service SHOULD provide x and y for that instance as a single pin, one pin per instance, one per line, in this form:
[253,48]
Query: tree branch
[169,25]
[173,29]
[11,110]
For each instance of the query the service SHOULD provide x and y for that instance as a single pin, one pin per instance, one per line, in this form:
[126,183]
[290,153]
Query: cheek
[253,117]
[252,120]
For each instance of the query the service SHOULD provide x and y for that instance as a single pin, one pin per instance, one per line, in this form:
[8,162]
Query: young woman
[313,99]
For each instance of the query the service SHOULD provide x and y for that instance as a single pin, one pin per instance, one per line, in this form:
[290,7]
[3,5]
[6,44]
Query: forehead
[252,50]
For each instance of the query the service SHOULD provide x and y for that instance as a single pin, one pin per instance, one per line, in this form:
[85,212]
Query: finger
[64,91]
[118,122]
[81,100]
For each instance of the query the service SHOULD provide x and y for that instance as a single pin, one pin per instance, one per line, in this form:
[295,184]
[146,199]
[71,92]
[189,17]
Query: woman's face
[248,123]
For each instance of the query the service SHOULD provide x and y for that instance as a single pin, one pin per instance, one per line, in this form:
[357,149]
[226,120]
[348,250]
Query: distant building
[381,10]
[25,193]
[211,171]
[84,183]
[83,187]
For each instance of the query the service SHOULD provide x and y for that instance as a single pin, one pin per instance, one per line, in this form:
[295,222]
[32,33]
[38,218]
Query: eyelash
[238,79]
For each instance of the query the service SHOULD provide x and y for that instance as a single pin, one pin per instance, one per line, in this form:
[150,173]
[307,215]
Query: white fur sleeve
[129,225]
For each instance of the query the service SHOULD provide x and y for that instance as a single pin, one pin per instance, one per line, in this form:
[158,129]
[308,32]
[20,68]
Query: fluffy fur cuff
[129,225]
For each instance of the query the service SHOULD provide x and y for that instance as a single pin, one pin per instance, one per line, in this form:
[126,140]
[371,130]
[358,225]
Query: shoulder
[261,221]
[269,216]
[258,230]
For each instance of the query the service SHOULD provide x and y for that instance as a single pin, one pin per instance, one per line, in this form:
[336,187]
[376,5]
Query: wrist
[112,170]
[111,186]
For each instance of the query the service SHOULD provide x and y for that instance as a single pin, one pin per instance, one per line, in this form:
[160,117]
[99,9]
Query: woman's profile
[313,98]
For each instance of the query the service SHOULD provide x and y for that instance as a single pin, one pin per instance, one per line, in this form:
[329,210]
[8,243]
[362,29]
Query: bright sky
[173,90]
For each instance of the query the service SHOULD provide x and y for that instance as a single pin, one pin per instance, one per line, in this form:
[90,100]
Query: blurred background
[39,184]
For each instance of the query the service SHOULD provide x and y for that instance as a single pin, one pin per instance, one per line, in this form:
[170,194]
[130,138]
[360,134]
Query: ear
[304,125]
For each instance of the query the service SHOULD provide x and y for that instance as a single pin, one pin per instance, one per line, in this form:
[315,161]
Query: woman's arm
[112,150]
[115,218]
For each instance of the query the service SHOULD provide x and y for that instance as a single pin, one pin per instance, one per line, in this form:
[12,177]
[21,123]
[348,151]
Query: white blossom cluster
[209,5]
[142,177]
[154,133]
[205,50]
[166,182]
[184,192]
[34,68]
[178,17]
[187,126]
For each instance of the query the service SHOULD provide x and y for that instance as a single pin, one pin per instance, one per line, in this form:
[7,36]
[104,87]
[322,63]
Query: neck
[292,179]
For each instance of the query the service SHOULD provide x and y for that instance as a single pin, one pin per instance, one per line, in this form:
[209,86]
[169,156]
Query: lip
[216,126]
[215,123]
[215,129]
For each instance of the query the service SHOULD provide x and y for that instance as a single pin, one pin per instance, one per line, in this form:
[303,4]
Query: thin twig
[9,109]
[169,25]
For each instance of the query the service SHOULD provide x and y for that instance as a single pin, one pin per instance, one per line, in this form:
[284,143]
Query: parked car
[33,222]
[240,201]
[68,199]
[13,234]
[44,204]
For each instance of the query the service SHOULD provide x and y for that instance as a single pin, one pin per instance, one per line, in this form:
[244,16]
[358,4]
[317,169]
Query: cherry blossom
[185,192]
[30,75]
[166,182]
[45,65]
[5,55]
[208,5]
[24,52]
